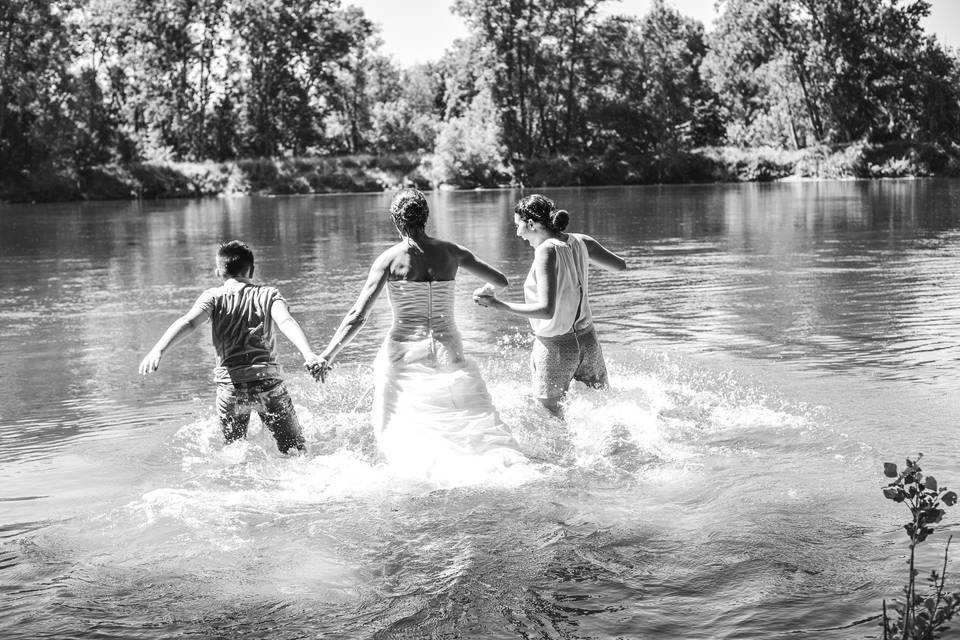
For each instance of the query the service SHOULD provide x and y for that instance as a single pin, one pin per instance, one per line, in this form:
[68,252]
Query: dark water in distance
[770,347]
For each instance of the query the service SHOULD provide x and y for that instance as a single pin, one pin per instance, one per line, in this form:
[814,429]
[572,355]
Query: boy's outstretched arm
[181,327]
[289,327]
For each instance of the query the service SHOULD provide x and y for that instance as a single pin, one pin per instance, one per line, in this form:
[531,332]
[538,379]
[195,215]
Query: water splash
[339,542]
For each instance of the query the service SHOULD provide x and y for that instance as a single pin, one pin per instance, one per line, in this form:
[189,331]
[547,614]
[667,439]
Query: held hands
[150,362]
[318,368]
[486,296]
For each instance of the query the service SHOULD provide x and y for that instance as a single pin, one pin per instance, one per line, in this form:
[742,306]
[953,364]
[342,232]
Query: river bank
[368,173]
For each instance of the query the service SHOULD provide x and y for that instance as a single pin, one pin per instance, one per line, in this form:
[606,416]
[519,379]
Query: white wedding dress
[432,414]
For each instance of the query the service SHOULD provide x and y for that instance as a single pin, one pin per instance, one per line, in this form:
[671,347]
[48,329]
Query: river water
[770,347]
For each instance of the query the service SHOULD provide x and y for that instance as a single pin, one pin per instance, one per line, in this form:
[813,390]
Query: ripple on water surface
[662,504]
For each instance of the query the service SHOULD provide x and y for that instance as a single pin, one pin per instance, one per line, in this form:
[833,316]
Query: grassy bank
[154,180]
[361,173]
[732,164]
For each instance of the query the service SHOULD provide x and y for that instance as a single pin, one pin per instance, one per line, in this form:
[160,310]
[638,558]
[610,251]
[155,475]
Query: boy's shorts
[557,360]
[269,398]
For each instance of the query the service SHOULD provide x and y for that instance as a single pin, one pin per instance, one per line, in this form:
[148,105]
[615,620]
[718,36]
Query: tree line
[94,82]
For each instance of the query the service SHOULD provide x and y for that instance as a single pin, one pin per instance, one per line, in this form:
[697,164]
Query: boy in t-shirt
[247,374]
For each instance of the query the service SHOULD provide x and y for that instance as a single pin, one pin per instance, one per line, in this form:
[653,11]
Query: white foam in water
[340,462]
[623,427]
[213,514]
[647,425]
[739,418]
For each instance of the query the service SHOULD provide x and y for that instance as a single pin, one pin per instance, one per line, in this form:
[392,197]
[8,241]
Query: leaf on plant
[949,498]
[890,470]
[893,493]
[930,483]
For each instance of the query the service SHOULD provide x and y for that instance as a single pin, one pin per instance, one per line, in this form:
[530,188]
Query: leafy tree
[616,118]
[95,126]
[757,63]
[646,91]
[197,79]
[289,52]
[161,70]
[538,53]
[682,105]
[461,73]
[469,148]
[358,78]
[84,82]
[35,85]
[408,110]
[829,71]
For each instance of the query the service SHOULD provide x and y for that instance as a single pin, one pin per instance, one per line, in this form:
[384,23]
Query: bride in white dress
[432,414]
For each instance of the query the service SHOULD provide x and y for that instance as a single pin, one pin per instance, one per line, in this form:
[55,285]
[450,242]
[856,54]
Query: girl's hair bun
[559,219]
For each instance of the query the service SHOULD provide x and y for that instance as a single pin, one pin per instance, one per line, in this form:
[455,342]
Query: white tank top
[572,310]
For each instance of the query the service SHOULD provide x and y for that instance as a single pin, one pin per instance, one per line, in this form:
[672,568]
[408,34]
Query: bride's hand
[485,297]
[318,368]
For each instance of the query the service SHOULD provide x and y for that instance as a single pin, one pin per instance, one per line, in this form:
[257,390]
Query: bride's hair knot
[409,210]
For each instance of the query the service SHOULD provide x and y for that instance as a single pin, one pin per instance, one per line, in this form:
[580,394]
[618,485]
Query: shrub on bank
[359,173]
[195,179]
[759,164]
[825,163]
[673,166]
[40,186]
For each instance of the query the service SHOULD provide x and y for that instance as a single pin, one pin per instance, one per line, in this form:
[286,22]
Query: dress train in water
[432,414]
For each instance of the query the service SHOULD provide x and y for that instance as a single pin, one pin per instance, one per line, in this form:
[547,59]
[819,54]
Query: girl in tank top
[565,344]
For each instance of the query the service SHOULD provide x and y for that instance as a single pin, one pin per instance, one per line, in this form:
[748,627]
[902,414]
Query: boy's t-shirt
[242,331]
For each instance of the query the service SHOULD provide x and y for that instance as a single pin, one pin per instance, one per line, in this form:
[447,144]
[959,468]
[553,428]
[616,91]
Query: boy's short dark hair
[234,258]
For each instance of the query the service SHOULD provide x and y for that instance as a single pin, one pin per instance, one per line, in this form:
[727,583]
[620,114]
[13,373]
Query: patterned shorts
[558,360]
[269,398]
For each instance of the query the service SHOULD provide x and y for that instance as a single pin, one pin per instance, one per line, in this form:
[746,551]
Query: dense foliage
[538,83]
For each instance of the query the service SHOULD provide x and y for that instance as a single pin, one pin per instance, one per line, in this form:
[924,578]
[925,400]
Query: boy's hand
[150,363]
[318,368]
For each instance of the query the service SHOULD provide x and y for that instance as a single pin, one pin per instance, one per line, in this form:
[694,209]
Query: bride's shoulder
[445,247]
[440,242]
[389,256]
[395,250]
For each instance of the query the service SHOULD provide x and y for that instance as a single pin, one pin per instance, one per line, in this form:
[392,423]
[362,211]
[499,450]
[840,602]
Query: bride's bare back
[416,258]
[425,259]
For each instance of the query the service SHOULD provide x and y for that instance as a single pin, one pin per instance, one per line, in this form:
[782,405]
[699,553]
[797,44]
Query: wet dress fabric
[432,412]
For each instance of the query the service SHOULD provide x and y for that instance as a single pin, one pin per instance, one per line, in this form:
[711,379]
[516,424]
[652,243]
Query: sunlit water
[770,347]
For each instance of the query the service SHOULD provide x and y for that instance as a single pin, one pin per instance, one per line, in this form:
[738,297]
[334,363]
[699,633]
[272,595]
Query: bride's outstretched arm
[358,313]
[545,265]
[484,271]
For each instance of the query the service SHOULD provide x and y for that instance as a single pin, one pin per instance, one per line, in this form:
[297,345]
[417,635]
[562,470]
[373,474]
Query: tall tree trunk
[812,111]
